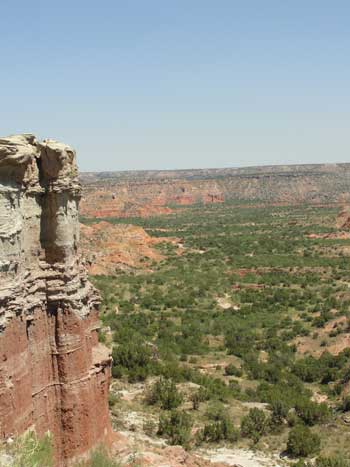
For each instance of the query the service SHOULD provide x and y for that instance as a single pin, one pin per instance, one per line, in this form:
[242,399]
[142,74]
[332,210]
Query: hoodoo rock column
[54,375]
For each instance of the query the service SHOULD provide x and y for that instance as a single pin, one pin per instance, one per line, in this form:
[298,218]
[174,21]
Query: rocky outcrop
[54,375]
[147,198]
[131,451]
[112,202]
[121,247]
[343,219]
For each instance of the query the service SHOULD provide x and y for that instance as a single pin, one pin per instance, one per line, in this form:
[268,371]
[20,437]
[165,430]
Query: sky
[170,84]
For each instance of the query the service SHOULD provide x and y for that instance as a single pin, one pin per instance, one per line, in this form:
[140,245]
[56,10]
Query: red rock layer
[140,193]
[109,248]
[55,376]
[146,199]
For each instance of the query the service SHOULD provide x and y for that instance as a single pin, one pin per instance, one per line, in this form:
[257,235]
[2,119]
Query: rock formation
[144,199]
[151,193]
[54,375]
[121,247]
[343,219]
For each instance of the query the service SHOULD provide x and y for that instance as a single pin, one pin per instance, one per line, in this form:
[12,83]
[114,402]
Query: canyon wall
[147,193]
[54,375]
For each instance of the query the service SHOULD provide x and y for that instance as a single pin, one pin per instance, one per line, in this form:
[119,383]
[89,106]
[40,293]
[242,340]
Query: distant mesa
[152,193]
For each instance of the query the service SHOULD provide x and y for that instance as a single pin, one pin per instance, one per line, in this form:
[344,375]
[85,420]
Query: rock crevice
[54,375]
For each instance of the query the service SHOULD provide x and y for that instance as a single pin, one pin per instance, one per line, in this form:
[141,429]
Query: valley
[196,319]
[237,343]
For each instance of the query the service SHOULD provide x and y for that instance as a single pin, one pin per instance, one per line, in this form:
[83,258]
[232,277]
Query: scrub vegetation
[240,336]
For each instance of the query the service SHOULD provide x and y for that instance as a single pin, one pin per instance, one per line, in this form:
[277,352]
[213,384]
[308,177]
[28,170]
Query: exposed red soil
[109,247]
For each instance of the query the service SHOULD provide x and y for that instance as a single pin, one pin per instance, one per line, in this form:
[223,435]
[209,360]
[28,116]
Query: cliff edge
[54,375]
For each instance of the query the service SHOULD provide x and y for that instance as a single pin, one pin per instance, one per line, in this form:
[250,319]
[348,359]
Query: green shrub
[176,427]
[220,426]
[198,397]
[293,419]
[279,413]
[254,425]
[118,371]
[345,404]
[312,413]
[279,409]
[164,393]
[308,369]
[232,370]
[235,389]
[133,359]
[302,442]
[239,341]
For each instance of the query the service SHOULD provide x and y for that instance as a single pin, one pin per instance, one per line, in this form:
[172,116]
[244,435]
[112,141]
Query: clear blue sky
[143,84]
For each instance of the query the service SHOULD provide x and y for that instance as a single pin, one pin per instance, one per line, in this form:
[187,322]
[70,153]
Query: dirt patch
[242,458]
[108,247]
[324,341]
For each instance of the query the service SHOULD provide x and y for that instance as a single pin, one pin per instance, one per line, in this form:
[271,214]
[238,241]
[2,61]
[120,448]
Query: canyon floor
[238,308]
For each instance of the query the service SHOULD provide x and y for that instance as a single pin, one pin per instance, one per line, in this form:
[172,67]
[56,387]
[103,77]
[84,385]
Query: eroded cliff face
[54,375]
[150,193]
[145,198]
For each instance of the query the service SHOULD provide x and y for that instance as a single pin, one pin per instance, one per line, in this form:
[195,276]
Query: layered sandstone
[54,375]
[149,193]
[147,198]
